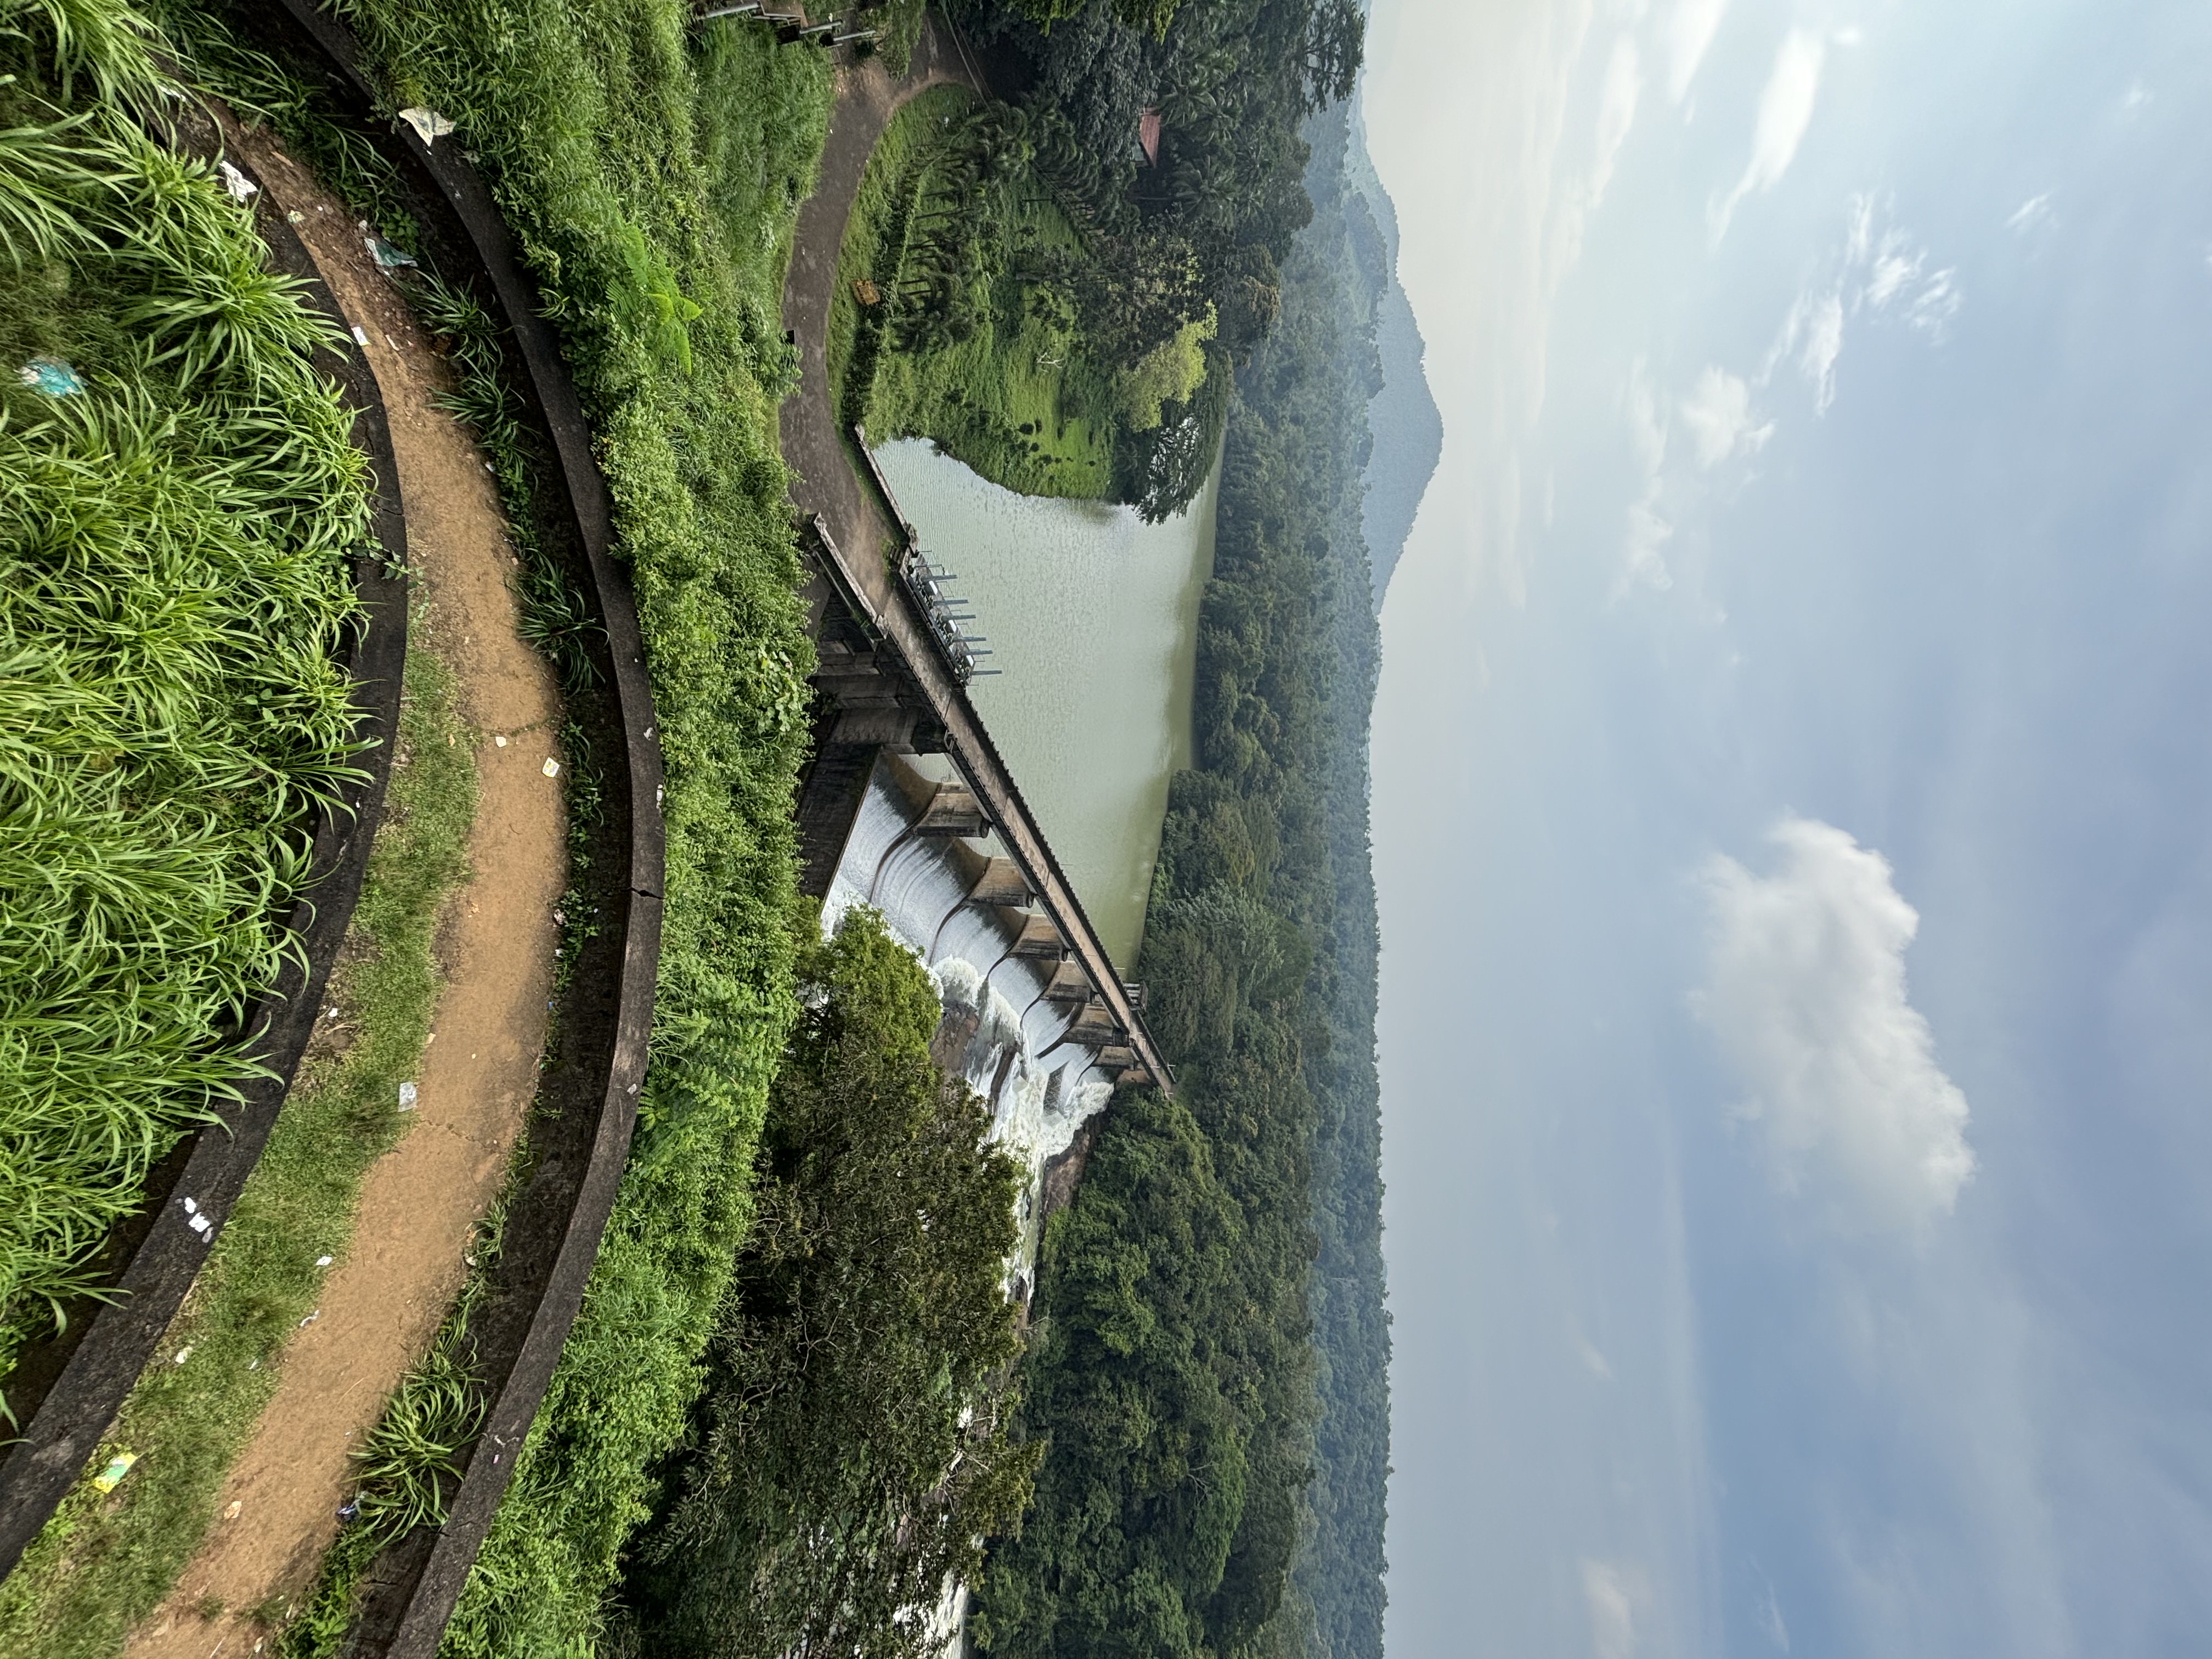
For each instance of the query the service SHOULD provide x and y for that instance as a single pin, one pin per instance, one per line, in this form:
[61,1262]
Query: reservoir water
[1093,615]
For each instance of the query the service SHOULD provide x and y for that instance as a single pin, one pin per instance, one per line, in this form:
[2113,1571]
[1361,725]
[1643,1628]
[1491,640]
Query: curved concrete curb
[554,1223]
[66,1391]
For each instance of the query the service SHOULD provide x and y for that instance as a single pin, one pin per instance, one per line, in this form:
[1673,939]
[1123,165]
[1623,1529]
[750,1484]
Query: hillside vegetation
[955,345]
[1210,1372]
[850,1448]
[1050,303]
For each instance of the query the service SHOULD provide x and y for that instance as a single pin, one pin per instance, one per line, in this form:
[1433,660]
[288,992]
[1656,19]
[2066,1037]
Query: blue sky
[1791,828]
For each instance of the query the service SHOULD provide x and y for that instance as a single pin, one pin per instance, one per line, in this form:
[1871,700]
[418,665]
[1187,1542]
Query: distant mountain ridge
[1408,429]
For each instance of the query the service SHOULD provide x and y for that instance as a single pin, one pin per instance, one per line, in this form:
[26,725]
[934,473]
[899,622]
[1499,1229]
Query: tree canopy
[1211,1382]
[849,1447]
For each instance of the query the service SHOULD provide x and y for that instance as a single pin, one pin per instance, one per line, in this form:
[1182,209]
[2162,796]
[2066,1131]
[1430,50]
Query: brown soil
[418,1203]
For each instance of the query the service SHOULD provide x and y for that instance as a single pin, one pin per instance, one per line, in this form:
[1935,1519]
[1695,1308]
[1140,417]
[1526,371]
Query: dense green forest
[1163,272]
[849,1446]
[1209,1369]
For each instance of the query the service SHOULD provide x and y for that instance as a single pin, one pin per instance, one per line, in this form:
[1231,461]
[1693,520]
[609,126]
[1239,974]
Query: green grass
[897,24]
[175,546]
[105,1562]
[1017,401]
[645,175]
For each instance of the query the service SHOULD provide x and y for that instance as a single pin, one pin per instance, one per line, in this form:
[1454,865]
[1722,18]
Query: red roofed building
[1148,135]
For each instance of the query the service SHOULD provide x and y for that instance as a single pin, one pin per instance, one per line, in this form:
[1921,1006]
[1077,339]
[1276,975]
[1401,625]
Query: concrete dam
[909,808]
[1021,1024]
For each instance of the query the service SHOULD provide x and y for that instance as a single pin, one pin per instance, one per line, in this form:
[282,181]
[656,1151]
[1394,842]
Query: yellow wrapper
[112,1477]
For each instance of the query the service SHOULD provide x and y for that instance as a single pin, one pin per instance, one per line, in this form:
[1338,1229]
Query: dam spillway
[909,808]
[882,689]
[1020,1024]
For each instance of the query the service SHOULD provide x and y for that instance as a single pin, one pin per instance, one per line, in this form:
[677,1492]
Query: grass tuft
[105,1561]
[175,579]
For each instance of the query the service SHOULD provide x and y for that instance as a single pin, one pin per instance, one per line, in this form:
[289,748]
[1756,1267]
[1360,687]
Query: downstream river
[1093,615]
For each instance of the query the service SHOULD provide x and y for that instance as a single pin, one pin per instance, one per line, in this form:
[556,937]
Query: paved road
[826,484]
[867,98]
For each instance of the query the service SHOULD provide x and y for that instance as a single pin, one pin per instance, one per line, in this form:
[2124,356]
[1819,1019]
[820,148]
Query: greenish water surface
[1092,616]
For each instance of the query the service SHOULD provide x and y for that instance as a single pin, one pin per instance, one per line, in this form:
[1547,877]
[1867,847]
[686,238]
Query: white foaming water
[1040,1089]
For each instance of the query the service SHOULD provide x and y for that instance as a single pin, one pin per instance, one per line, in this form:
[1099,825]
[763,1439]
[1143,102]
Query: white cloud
[1619,90]
[1815,332]
[1785,110]
[1616,114]
[1806,995]
[1718,411]
[1688,31]
[1936,304]
[2030,214]
[1859,243]
[1609,1593]
[1593,1361]
[1770,1621]
[1892,272]
[1883,271]
[1895,267]
[1648,531]
[1647,422]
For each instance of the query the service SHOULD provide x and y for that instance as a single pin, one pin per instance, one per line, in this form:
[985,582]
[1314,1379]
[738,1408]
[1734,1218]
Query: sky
[1793,763]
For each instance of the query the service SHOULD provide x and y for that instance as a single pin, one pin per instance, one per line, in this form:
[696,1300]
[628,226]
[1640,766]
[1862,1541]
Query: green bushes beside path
[651,181]
[106,1561]
[180,505]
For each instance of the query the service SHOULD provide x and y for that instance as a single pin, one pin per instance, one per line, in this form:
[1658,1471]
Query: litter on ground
[388,257]
[429,125]
[112,1477]
[52,376]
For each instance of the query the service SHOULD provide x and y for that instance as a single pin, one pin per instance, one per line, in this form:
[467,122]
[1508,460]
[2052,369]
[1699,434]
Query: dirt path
[867,98]
[385,1298]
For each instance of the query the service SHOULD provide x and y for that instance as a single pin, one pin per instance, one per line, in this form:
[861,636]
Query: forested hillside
[1181,246]
[1407,427]
[1211,1367]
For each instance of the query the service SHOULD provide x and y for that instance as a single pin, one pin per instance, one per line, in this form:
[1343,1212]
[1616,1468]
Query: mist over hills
[1409,431]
